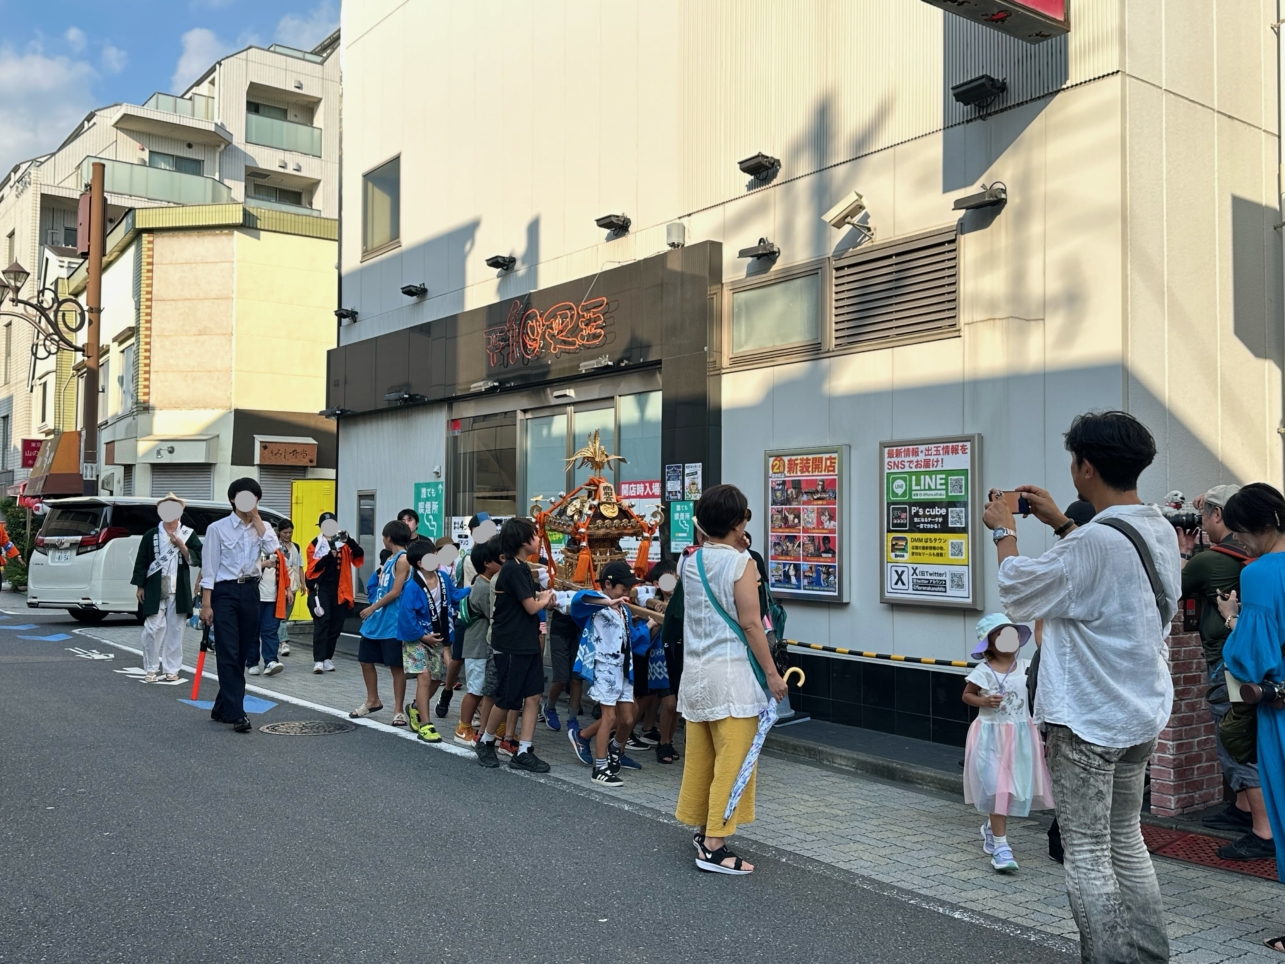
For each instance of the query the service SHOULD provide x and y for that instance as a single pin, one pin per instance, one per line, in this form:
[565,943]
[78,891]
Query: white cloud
[114,59]
[305,31]
[201,48]
[75,38]
[44,99]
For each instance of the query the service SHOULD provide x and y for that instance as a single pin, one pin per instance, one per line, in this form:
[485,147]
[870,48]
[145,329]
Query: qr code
[957,548]
[955,485]
[955,518]
[957,582]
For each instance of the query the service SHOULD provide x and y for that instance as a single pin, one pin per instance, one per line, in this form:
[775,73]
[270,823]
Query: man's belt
[238,580]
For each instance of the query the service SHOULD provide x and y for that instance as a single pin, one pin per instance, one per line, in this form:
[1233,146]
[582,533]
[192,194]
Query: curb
[855,761]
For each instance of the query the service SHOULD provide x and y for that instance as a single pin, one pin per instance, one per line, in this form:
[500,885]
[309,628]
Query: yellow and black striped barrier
[922,660]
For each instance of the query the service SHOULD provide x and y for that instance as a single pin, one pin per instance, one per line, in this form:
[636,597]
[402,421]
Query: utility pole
[93,328]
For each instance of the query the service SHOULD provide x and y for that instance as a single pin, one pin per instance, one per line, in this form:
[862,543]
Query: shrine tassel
[640,560]
[583,567]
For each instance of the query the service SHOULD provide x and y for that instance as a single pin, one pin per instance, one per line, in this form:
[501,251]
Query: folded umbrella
[767,718]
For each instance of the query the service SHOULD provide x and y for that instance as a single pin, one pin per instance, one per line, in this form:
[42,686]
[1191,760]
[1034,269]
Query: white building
[1134,265]
[261,126]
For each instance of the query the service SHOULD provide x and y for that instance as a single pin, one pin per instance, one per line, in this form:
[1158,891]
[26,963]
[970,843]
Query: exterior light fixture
[980,92]
[404,397]
[675,234]
[760,167]
[346,314]
[485,385]
[336,412]
[988,197]
[602,361]
[414,291]
[15,276]
[615,223]
[501,262]
[764,249]
[54,318]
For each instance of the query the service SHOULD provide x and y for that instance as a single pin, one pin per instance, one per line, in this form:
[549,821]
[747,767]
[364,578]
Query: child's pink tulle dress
[1004,769]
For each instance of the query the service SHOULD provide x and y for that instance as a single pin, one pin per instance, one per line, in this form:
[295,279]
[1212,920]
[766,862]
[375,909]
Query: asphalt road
[135,829]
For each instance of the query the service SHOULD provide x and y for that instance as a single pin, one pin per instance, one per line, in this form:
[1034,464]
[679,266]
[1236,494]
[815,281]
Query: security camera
[845,213]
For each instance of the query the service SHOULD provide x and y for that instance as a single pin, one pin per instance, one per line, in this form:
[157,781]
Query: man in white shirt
[1105,691]
[230,595]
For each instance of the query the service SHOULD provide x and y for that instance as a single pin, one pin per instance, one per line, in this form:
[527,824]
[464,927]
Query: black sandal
[665,753]
[1276,943]
[698,840]
[712,861]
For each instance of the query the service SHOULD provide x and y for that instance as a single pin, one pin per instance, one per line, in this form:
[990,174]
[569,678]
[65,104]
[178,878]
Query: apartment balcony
[263,202]
[197,106]
[283,135]
[138,180]
[180,118]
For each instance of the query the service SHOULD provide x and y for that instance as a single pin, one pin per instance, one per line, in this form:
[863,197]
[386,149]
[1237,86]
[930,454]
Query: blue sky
[61,58]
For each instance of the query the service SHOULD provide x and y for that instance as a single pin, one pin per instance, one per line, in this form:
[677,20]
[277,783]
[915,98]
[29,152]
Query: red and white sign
[30,451]
[1033,21]
[649,489]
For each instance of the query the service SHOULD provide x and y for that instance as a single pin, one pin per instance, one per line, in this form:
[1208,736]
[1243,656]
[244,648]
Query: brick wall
[1185,774]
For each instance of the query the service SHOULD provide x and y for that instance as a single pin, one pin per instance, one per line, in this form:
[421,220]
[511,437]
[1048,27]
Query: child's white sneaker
[1003,860]
[988,839]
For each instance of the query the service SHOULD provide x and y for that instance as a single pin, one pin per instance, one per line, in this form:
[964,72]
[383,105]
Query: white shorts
[474,676]
[609,684]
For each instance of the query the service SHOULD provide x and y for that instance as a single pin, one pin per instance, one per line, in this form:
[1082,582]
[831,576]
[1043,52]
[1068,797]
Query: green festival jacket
[151,604]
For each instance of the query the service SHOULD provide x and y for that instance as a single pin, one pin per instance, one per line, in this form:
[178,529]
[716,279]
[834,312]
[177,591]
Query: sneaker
[539,714]
[273,668]
[465,735]
[551,719]
[529,762]
[428,733]
[318,668]
[651,737]
[254,670]
[573,726]
[1249,847]
[284,650]
[627,763]
[605,778]
[507,747]
[580,747]
[443,705]
[486,755]
[633,743]
[1231,819]
[988,839]
[330,666]
[1003,860]
[412,714]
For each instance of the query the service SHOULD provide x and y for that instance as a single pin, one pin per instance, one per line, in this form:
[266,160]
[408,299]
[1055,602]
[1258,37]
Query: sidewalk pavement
[918,839]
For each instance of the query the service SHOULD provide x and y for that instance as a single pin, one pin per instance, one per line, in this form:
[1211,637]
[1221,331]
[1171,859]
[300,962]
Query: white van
[84,554]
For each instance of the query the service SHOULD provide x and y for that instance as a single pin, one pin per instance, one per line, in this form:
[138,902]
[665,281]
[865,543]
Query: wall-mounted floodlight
[988,197]
[346,314]
[336,412]
[501,262]
[764,249]
[485,385]
[980,92]
[404,398]
[602,361]
[615,223]
[415,291]
[760,166]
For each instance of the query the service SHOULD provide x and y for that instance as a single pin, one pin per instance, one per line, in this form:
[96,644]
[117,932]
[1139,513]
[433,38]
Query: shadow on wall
[1256,278]
[525,275]
[970,50]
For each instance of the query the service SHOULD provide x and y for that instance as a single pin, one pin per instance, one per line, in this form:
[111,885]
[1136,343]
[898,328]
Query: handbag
[736,627]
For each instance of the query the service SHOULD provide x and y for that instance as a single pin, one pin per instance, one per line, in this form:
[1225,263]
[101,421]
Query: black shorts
[381,652]
[640,676]
[457,647]
[674,664]
[518,676]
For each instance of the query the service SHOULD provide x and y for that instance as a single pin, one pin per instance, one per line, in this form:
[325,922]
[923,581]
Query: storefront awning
[57,468]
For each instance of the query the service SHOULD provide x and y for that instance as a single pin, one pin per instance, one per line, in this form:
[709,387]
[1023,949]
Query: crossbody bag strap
[735,626]
[1144,553]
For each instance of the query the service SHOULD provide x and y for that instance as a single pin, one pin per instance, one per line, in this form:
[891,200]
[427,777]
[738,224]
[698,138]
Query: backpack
[1236,553]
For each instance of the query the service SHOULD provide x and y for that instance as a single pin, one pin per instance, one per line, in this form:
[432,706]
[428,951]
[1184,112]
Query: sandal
[1276,943]
[399,719]
[364,710]
[698,840]
[171,677]
[150,678]
[665,753]
[712,861]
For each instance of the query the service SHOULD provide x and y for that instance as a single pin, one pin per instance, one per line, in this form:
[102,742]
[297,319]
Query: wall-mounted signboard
[806,525]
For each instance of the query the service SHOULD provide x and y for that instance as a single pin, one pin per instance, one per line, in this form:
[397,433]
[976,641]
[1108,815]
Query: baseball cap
[618,573]
[326,515]
[477,520]
[1219,495]
[988,624]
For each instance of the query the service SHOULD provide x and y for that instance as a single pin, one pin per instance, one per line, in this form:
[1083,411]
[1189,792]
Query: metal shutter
[186,480]
[900,289]
[127,486]
[276,482]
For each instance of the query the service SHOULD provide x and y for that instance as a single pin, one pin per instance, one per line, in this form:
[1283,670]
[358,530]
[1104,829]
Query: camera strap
[1144,553]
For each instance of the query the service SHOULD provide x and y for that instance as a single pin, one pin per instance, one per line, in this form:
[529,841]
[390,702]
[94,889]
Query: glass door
[544,456]
[586,420]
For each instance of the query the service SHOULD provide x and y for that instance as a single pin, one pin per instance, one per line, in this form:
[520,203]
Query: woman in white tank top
[720,696]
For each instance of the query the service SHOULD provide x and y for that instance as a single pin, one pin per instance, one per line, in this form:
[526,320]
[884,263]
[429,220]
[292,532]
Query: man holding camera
[1206,576]
[328,574]
[1106,599]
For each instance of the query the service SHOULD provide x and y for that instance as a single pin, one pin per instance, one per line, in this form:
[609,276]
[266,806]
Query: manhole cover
[307,727]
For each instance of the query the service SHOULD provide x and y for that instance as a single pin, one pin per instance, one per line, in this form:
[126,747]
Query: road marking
[89,653]
[20,628]
[55,638]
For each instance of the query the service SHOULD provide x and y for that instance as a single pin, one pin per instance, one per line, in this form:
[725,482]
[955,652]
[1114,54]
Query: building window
[279,194]
[781,314]
[68,237]
[125,380]
[106,390]
[366,536]
[8,349]
[265,110]
[10,249]
[172,162]
[483,459]
[44,402]
[896,290]
[381,194]
[6,440]
[640,438]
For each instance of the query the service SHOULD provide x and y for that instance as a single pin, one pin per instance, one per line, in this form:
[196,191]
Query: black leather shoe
[215,717]
[242,725]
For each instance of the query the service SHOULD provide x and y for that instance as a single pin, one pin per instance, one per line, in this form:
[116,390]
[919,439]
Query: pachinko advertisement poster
[805,524]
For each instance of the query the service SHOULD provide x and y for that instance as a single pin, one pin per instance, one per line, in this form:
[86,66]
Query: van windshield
[72,520]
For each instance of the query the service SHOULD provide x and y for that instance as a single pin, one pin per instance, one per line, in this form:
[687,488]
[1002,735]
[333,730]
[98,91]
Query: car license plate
[59,557]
